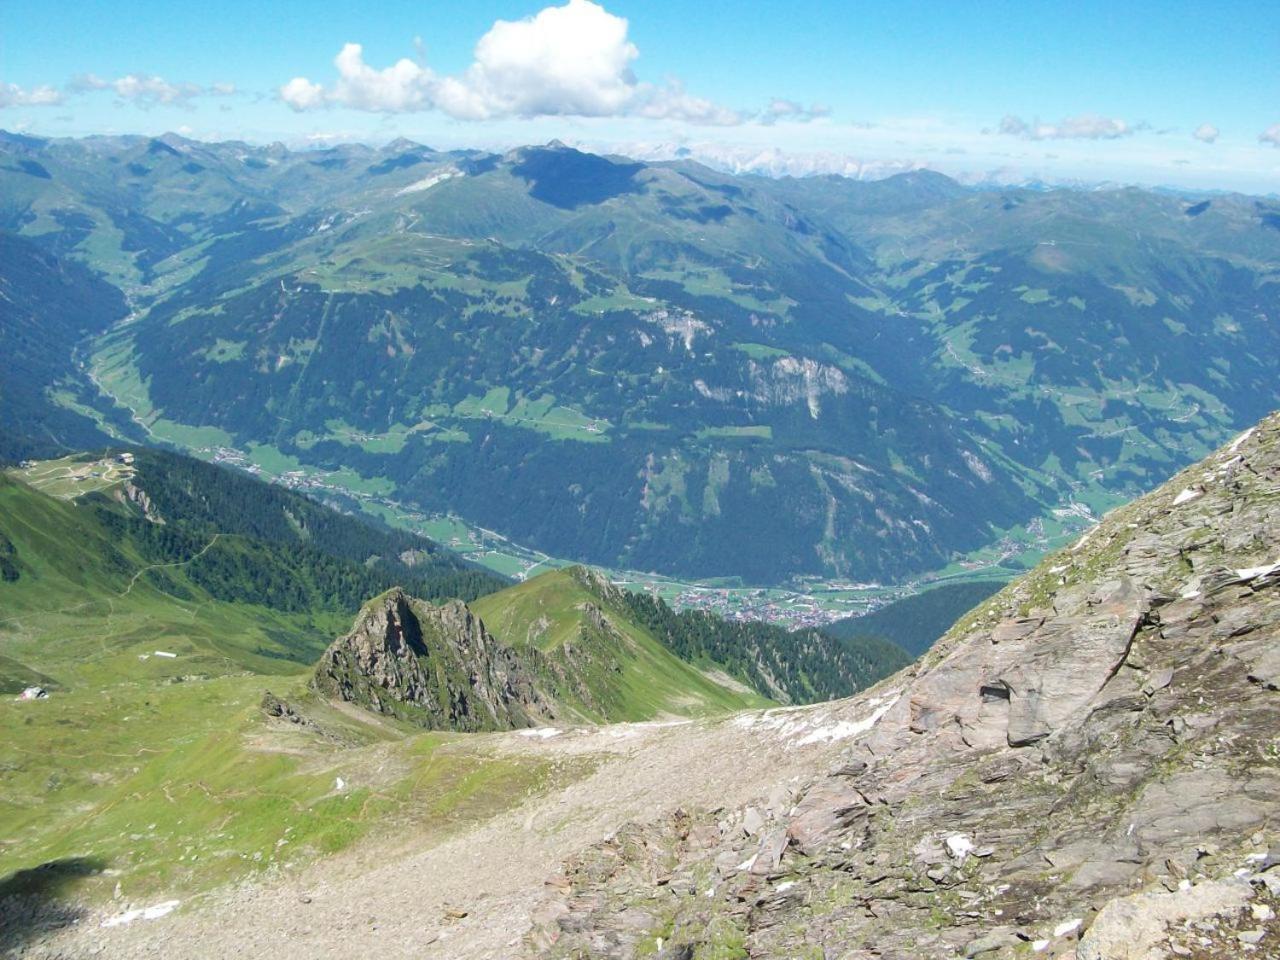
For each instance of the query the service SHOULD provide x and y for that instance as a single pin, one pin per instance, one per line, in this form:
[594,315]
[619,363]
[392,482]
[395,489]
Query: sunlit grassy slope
[160,771]
[618,671]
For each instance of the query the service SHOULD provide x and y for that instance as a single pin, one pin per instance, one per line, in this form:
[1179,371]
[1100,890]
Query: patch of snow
[747,864]
[1186,496]
[1249,573]
[802,726]
[959,846]
[167,654]
[542,733]
[143,913]
[1067,926]
[844,729]
[1235,444]
[426,183]
[339,784]
[784,887]
[1039,945]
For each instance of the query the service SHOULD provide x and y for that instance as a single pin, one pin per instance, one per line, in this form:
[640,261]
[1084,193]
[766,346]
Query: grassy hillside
[621,655]
[150,758]
[597,660]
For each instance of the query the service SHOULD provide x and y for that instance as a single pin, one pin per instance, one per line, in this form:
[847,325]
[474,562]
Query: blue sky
[1159,93]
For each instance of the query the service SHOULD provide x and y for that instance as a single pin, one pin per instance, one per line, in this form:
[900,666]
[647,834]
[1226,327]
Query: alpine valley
[645,366]
[258,698]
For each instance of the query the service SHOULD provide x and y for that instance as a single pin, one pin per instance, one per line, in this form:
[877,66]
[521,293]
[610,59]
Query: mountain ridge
[710,353]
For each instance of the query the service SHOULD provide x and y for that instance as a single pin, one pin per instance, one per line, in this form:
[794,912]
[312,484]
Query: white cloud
[572,60]
[1270,135]
[153,91]
[673,103]
[12,95]
[1086,126]
[1205,133]
[301,94]
[148,91]
[780,109]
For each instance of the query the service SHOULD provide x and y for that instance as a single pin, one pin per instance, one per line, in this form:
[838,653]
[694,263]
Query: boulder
[1127,928]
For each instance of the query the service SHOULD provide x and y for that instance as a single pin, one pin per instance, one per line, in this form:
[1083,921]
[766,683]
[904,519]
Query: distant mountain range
[647,365]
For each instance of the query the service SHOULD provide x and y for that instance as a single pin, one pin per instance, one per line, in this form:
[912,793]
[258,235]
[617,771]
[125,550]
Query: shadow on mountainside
[34,902]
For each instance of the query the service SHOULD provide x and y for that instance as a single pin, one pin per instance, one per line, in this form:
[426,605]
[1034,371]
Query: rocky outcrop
[1090,753]
[434,665]
[130,492]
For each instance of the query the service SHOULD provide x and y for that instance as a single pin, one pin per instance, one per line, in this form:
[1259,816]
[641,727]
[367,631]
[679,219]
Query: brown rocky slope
[1107,724]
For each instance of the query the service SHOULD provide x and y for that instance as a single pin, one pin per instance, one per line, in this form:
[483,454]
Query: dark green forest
[915,623]
[806,664]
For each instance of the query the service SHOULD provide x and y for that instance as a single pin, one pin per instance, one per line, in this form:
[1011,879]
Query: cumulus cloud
[1086,126]
[12,95]
[1205,133]
[1270,135]
[148,91]
[571,60]
[672,103]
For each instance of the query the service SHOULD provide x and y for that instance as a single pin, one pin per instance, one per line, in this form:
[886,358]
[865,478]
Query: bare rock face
[1083,766]
[434,665]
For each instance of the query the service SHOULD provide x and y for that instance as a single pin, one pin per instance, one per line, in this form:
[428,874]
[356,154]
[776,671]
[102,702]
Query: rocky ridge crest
[434,665]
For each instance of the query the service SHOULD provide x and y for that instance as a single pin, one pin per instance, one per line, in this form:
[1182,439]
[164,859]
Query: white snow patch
[784,887]
[802,726]
[1186,496]
[844,729]
[959,846]
[339,783]
[426,183]
[1248,573]
[1039,945]
[1235,444]
[1067,926]
[166,653]
[143,913]
[542,733]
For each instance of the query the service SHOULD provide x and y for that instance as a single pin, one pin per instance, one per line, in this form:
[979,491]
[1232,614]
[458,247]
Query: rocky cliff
[1086,765]
[434,665]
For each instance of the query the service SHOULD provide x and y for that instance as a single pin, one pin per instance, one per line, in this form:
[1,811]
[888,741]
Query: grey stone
[831,811]
[998,939]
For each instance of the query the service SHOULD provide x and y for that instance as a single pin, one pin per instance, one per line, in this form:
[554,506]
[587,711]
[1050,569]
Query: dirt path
[396,903]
